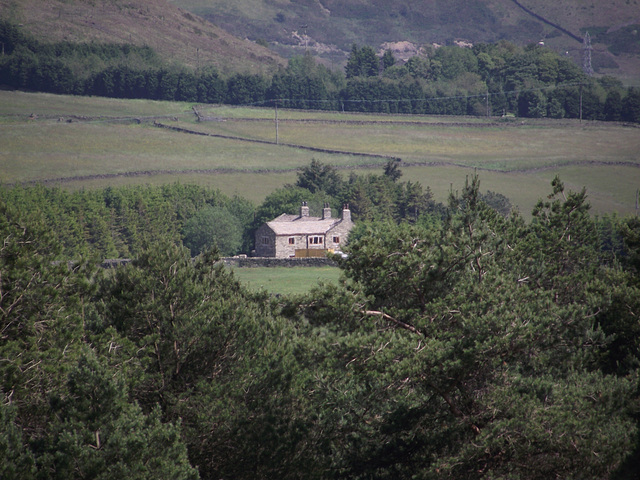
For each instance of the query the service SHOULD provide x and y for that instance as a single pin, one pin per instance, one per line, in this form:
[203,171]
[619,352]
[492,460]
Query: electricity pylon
[586,55]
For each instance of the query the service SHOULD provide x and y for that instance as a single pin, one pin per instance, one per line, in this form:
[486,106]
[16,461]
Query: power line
[484,95]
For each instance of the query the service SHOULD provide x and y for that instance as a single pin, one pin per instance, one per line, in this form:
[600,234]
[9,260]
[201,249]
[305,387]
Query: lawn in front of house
[286,280]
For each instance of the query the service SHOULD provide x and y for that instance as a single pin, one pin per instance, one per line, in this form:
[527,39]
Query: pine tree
[101,435]
[463,363]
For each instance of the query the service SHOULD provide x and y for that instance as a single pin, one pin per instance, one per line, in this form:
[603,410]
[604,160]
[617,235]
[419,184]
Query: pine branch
[399,323]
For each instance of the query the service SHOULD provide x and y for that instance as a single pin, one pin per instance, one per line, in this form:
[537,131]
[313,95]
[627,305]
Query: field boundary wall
[241,262]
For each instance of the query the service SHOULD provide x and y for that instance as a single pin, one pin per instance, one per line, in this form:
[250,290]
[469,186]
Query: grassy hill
[175,34]
[333,25]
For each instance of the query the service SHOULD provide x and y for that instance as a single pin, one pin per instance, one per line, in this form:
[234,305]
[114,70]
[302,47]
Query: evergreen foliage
[362,62]
[474,364]
[102,435]
[121,222]
[213,227]
[319,177]
[462,344]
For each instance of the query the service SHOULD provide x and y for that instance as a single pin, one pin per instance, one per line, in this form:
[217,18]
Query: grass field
[517,158]
[284,280]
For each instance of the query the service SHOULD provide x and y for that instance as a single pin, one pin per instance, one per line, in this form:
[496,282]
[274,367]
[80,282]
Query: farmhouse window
[265,241]
[336,239]
[315,240]
[292,241]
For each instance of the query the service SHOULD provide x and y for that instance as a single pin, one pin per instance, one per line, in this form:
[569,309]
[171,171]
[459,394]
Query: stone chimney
[304,210]
[326,212]
[346,213]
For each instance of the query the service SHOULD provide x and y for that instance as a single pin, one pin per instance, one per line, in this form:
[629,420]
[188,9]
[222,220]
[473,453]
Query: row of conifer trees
[485,80]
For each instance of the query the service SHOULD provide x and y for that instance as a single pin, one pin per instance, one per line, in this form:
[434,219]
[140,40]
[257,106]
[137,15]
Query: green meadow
[285,280]
[90,142]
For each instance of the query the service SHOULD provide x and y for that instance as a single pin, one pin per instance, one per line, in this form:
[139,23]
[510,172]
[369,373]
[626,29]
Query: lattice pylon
[586,55]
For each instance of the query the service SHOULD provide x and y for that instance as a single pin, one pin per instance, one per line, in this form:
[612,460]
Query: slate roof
[295,225]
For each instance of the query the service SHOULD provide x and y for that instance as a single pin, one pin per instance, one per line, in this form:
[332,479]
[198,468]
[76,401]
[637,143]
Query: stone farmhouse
[303,236]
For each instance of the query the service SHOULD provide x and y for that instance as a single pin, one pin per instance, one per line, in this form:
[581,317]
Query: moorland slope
[175,34]
[329,27]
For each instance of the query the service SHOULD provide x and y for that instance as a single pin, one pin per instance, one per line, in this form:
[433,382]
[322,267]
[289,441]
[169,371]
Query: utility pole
[488,104]
[580,103]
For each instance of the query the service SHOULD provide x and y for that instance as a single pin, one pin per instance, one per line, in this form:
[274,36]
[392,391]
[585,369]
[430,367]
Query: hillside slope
[329,27]
[175,34]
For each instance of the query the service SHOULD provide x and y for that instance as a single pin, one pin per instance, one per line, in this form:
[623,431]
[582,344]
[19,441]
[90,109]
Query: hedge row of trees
[484,80]
[121,222]
[471,346]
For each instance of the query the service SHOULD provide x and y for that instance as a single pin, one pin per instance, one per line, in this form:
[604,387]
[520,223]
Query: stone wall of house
[281,246]
[266,247]
[341,231]
[285,249]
